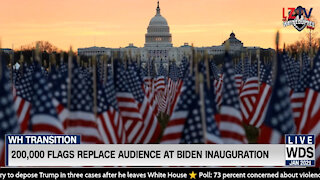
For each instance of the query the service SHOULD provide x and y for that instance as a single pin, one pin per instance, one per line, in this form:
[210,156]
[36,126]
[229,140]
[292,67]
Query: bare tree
[44,46]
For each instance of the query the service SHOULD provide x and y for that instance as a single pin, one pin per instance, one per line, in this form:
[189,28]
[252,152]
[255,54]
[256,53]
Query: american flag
[238,76]
[160,82]
[8,119]
[249,93]
[100,71]
[246,68]
[44,72]
[214,70]
[209,90]
[173,89]
[184,68]
[279,119]
[19,72]
[81,120]
[149,73]
[141,71]
[63,68]
[128,106]
[154,97]
[58,82]
[259,108]
[311,107]
[263,70]
[212,90]
[310,119]
[217,83]
[44,118]
[22,100]
[231,125]
[218,86]
[186,123]
[160,85]
[85,73]
[110,122]
[306,61]
[298,96]
[290,71]
[150,129]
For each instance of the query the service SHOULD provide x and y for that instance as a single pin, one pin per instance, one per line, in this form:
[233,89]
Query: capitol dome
[158,20]
[233,40]
[158,34]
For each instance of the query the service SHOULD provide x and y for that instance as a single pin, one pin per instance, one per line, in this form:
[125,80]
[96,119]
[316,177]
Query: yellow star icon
[192,175]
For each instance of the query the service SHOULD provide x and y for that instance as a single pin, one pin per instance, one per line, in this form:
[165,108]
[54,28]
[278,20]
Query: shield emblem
[299,25]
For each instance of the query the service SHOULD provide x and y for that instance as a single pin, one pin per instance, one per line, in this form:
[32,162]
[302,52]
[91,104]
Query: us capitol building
[158,45]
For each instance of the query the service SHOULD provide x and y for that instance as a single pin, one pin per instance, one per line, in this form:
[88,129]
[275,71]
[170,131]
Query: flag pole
[0,59]
[21,62]
[78,60]
[52,61]
[37,53]
[94,71]
[276,58]
[242,60]
[138,60]
[61,58]
[153,74]
[125,60]
[207,69]
[311,56]
[90,63]
[105,66]
[196,70]
[130,56]
[11,63]
[203,112]
[300,59]
[69,77]
[193,54]
[115,56]
[112,66]
[258,59]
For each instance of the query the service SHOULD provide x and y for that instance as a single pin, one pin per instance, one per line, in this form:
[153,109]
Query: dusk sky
[116,23]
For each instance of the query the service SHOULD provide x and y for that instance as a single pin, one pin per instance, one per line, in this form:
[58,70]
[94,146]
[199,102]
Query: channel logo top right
[298,17]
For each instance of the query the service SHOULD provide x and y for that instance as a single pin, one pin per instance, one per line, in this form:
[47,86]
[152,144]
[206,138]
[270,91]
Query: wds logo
[300,150]
[298,17]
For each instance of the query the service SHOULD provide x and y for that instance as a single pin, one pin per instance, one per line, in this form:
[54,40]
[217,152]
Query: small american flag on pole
[110,122]
[81,120]
[310,119]
[44,118]
[249,93]
[186,123]
[231,125]
[8,119]
[279,119]
[22,100]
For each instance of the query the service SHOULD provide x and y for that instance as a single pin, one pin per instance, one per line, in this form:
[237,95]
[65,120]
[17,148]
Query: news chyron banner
[67,151]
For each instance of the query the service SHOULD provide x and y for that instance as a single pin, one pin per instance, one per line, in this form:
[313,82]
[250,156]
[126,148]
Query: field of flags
[117,100]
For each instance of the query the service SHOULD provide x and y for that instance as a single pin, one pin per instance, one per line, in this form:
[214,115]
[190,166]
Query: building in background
[158,45]
[6,50]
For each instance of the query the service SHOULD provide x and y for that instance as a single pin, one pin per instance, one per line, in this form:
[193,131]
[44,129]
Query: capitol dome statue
[158,34]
